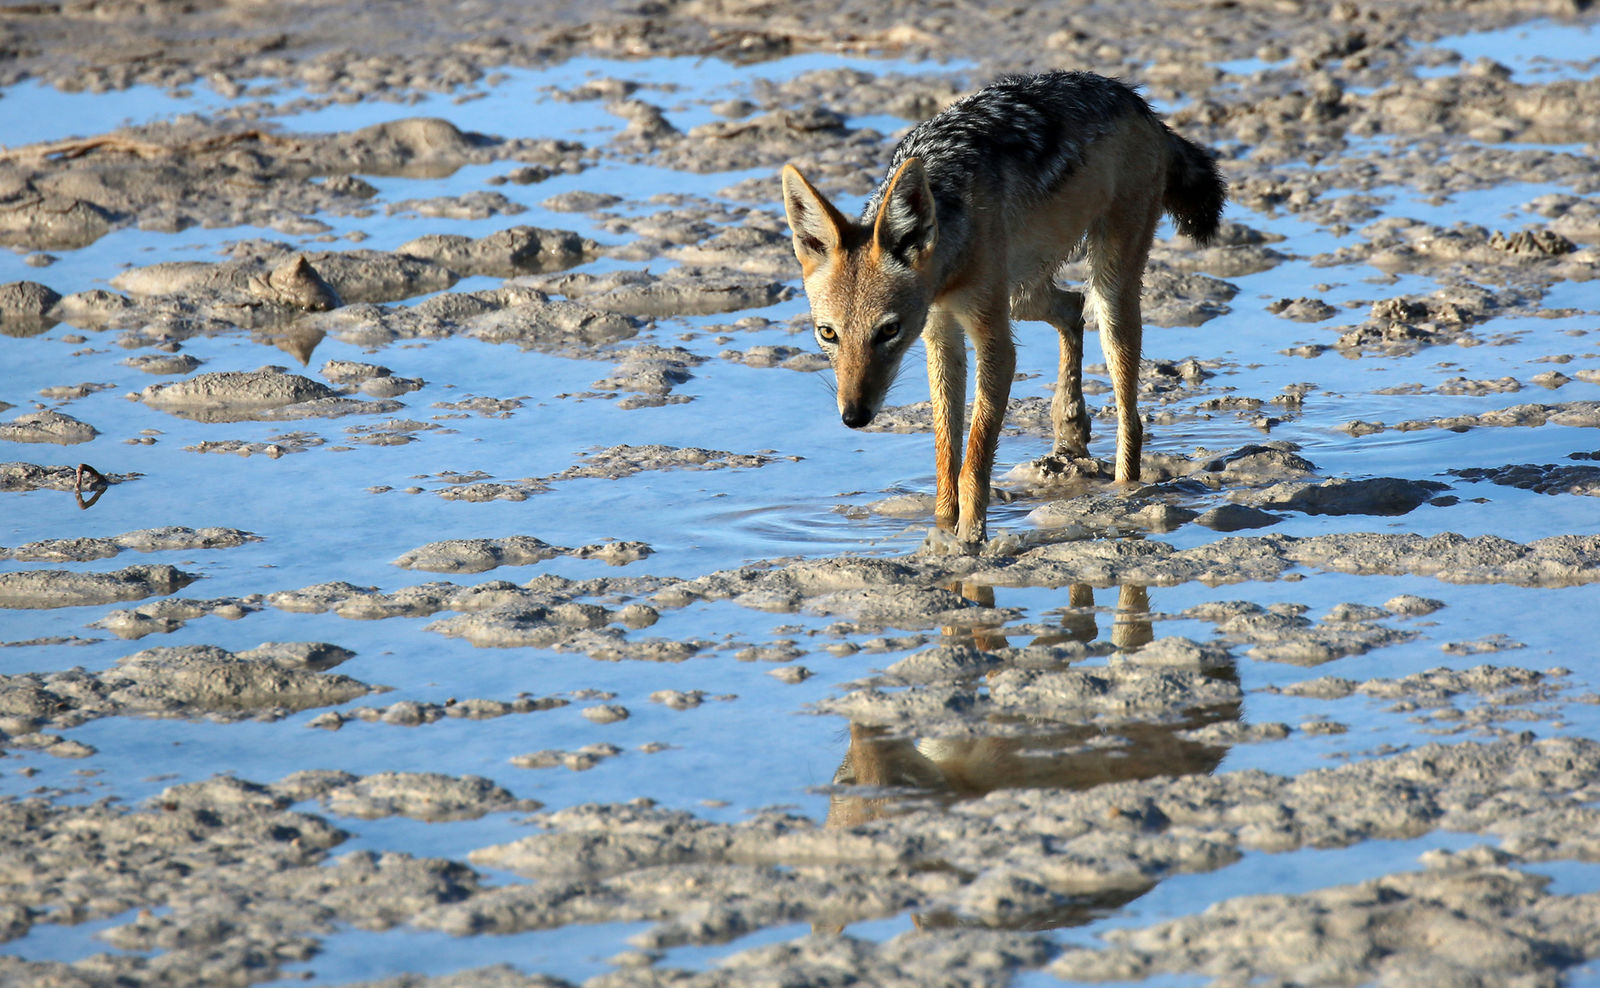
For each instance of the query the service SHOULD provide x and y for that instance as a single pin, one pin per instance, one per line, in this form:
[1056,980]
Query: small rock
[606,713]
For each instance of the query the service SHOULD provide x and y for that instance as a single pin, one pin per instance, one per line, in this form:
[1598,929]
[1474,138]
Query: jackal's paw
[942,542]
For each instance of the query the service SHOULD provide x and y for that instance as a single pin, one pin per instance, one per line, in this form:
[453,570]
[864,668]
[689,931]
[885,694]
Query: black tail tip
[1196,191]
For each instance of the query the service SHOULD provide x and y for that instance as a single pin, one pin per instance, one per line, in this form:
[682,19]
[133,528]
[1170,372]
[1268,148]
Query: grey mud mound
[621,461]
[46,426]
[518,250]
[1370,496]
[44,588]
[1469,920]
[479,555]
[683,291]
[25,307]
[1546,478]
[171,613]
[263,395]
[239,839]
[421,796]
[275,275]
[1164,687]
[168,539]
[516,313]
[1568,560]
[67,194]
[161,363]
[496,976]
[17,476]
[189,681]
[205,678]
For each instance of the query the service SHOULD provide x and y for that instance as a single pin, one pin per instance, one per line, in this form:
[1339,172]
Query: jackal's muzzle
[855,414]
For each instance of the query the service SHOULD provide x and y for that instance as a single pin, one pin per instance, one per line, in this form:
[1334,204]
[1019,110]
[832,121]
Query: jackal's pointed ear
[817,226]
[906,226]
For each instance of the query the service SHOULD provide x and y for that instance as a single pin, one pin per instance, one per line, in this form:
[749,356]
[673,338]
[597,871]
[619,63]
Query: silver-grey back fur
[1029,133]
[1034,127]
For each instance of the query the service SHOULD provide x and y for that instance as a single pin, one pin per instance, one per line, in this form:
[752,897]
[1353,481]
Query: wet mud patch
[169,539]
[1257,484]
[263,395]
[16,476]
[66,194]
[46,588]
[47,426]
[1547,478]
[410,713]
[1469,913]
[517,314]
[479,555]
[171,613]
[613,463]
[1529,415]
[192,681]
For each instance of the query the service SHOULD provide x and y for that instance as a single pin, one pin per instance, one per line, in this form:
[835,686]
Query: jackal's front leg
[947,385]
[997,363]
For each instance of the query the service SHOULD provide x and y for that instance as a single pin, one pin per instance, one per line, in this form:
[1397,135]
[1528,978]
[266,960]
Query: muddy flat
[430,554]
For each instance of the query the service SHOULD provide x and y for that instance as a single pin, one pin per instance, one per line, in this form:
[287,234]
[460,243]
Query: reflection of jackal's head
[870,284]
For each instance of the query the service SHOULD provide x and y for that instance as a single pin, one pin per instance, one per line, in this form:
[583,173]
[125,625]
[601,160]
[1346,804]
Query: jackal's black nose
[855,415]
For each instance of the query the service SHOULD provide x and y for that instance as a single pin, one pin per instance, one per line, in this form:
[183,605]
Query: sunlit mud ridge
[544,627]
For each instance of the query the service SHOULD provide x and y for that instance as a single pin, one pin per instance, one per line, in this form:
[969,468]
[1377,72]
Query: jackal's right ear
[906,226]
[817,226]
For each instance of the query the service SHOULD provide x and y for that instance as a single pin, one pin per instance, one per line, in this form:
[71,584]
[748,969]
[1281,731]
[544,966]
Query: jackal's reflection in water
[1063,755]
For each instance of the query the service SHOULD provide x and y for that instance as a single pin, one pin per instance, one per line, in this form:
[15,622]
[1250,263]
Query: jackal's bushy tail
[1195,190]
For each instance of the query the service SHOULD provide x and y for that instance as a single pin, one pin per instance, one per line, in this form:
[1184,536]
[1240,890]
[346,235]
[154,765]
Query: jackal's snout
[855,414]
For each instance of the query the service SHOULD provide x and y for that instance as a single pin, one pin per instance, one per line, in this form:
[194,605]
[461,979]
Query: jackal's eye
[827,334]
[888,331]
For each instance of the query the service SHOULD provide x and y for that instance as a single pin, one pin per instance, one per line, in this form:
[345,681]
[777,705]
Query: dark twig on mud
[97,482]
[76,147]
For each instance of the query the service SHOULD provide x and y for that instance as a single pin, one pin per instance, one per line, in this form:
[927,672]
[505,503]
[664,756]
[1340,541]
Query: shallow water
[1539,50]
[322,517]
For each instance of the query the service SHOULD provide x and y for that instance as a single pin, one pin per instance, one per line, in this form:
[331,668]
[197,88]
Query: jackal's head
[870,284]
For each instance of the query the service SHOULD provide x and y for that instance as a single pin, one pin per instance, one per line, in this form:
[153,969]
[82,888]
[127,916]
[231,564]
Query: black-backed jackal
[983,204]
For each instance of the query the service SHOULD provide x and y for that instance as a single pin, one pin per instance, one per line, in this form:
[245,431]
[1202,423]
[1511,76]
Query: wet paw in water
[945,543]
[941,542]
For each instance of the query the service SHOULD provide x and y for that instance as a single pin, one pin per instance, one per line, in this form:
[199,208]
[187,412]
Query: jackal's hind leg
[1069,415]
[1117,256]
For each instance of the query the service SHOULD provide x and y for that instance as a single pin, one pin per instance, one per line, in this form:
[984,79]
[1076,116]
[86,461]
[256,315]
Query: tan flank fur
[967,249]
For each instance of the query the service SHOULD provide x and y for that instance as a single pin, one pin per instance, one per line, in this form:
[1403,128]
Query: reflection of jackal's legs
[985,638]
[1132,629]
[1078,623]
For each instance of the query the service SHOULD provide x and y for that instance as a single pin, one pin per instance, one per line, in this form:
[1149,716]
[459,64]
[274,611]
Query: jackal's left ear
[818,227]
[906,226]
